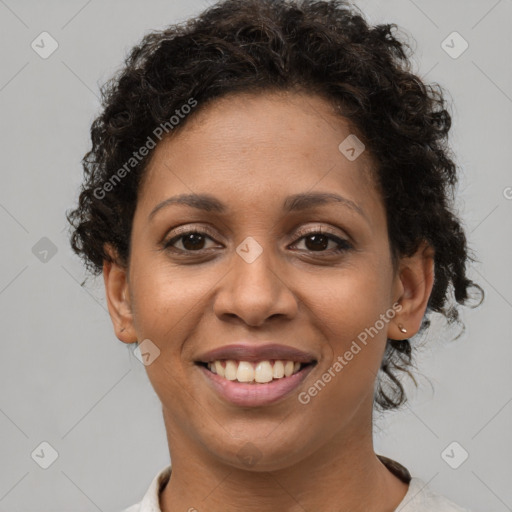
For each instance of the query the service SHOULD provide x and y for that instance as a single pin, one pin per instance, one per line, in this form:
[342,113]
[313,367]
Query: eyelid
[335,232]
[299,234]
[344,242]
[185,229]
[318,229]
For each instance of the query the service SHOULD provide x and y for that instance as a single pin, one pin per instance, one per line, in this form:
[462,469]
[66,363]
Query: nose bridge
[252,290]
[254,263]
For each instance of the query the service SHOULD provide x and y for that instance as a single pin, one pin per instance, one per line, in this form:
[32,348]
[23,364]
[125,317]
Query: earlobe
[416,277]
[118,300]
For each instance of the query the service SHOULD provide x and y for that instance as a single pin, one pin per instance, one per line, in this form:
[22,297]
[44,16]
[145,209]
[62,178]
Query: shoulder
[420,498]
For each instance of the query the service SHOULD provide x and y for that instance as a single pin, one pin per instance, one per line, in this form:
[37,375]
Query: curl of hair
[319,47]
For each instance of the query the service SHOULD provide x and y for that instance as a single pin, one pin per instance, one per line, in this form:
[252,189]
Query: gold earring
[402,328]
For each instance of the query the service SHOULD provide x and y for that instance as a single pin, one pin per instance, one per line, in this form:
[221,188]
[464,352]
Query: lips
[251,375]
[252,352]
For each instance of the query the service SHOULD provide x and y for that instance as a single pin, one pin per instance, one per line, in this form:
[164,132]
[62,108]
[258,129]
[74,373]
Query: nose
[255,291]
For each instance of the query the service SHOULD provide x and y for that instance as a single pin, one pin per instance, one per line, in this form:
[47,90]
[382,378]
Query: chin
[257,449]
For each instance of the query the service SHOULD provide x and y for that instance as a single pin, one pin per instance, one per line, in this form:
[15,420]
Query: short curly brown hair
[320,47]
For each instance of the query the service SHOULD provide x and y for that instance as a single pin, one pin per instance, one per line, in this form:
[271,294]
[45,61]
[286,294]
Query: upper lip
[252,352]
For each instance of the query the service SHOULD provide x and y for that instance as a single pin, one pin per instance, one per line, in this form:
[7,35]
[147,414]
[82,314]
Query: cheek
[346,302]
[169,305]
[351,313]
[166,300]
[166,312]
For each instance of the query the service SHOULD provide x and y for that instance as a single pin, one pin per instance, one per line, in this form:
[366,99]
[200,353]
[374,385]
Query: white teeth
[278,371]
[263,372]
[219,369]
[288,368]
[245,372]
[230,372]
[260,372]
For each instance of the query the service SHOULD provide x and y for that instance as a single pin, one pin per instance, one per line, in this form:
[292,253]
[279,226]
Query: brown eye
[318,241]
[191,241]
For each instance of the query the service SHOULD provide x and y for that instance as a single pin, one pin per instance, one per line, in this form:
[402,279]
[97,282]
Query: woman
[268,199]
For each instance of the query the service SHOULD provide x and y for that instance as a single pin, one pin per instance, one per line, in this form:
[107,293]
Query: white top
[419,497]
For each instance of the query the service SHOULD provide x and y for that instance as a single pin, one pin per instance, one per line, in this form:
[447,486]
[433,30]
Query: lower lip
[254,395]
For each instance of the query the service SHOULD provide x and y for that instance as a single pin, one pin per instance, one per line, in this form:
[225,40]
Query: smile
[248,392]
[260,372]
[252,374]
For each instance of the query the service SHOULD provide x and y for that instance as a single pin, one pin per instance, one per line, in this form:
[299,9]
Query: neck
[339,475]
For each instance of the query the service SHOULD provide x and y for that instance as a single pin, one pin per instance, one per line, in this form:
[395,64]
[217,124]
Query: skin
[251,152]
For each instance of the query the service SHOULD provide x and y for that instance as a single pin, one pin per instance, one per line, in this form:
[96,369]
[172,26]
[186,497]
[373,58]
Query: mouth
[247,374]
[255,372]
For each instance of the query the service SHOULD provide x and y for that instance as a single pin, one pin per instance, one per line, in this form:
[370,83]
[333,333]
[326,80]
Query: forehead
[255,147]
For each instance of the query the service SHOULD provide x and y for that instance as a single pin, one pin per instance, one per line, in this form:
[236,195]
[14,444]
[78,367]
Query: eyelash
[343,245]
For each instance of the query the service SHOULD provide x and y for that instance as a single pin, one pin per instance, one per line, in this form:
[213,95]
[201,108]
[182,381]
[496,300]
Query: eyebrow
[296,202]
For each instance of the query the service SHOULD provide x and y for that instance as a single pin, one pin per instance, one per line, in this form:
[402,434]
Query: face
[290,250]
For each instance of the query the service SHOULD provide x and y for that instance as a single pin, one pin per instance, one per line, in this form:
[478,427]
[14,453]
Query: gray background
[67,380]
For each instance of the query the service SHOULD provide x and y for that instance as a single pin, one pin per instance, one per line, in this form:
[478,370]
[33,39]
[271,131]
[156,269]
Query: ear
[414,282]
[117,292]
